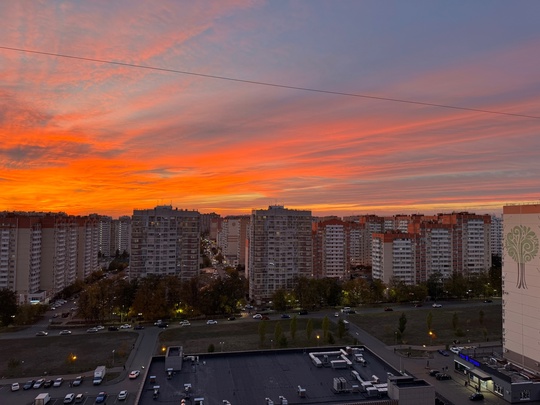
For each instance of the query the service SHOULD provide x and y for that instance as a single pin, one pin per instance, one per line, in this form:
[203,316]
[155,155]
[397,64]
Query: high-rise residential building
[280,250]
[121,234]
[105,236]
[42,253]
[521,286]
[393,257]
[232,239]
[496,235]
[165,241]
[207,222]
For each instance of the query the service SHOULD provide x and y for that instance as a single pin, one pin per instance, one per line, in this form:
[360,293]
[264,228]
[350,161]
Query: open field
[384,325]
[53,354]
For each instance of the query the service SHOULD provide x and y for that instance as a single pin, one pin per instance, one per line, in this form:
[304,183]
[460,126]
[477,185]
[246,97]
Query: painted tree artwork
[522,246]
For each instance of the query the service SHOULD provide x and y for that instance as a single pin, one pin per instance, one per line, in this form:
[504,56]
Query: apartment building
[496,235]
[232,239]
[165,241]
[42,253]
[280,249]
[121,234]
[393,257]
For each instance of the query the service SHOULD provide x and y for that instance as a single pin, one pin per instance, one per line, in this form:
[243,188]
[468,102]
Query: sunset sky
[83,136]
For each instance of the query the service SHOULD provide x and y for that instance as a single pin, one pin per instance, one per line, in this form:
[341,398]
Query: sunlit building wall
[393,257]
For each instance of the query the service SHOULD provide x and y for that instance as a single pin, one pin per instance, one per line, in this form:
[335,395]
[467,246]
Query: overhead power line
[259,83]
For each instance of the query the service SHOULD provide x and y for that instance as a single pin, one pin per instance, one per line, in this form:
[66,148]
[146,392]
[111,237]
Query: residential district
[43,254]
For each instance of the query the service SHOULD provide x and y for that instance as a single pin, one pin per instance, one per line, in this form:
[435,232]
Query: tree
[402,323]
[309,329]
[278,331]
[325,326]
[293,327]
[279,300]
[522,246]
[262,332]
[8,306]
[341,328]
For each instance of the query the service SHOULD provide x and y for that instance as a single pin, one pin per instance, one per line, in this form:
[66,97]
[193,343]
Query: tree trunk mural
[521,244]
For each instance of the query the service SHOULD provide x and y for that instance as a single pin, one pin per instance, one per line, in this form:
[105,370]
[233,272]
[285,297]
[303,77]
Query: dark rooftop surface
[251,377]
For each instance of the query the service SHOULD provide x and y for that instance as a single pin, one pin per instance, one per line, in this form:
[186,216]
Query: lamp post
[318,340]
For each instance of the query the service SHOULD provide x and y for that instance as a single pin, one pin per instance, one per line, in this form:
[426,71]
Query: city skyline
[232,106]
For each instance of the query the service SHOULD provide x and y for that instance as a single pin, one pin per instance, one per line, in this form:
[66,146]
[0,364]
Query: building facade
[280,250]
[165,241]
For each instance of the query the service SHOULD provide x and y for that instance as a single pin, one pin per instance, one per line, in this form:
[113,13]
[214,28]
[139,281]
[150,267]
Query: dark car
[285,316]
[112,328]
[388,309]
[443,376]
[48,384]
[302,312]
[443,352]
[138,327]
[488,301]
[476,397]
[102,397]
[231,318]
[433,373]
[29,384]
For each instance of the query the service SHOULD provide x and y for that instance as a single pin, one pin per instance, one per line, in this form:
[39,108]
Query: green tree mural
[522,246]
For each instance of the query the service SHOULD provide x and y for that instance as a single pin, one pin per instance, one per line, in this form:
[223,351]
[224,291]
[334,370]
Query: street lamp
[318,340]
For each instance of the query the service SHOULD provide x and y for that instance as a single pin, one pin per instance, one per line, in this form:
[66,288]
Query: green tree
[341,328]
[279,300]
[429,320]
[309,329]
[293,327]
[455,321]
[330,338]
[262,332]
[325,326]
[8,306]
[278,331]
[402,323]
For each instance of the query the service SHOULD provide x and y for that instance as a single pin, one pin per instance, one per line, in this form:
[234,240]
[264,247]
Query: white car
[134,374]
[122,395]
[65,332]
[185,323]
[92,330]
[69,398]
[15,387]
[437,305]
[58,382]
[125,326]
[100,327]
[456,350]
[257,316]
[211,322]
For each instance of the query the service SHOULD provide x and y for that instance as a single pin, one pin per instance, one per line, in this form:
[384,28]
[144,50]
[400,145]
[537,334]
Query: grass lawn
[55,354]
[244,335]
[470,326]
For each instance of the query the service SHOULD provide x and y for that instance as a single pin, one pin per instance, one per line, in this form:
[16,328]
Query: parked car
[477,397]
[185,323]
[257,316]
[37,385]
[58,382]
[65,332]
[79,398]
[134,374]
[231,318]
[101,398]
[435,305]
[443,376]
[92,330]
[69,398]
[433,372]
[488,301]
[211,322]
[336,314]
[302,312]
[15,386]
[125,326]
[443,352]
[77,381]
[112,328]
[388,309]
[122,395]
[455,349]
[138,327]
[42,333]
[48,383]
[285,316]
[29,384]
[100,327]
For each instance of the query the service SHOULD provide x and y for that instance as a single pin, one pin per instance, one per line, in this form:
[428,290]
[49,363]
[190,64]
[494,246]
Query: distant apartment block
[165,241]
[280,250]
[496,235]
[232,239]
[105,236]
[393,257]
[42,253]
[121,234]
